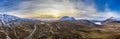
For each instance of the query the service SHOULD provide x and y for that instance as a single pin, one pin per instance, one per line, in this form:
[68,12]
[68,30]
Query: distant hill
[67,18]
[111,23]
[5,19]
[12,27]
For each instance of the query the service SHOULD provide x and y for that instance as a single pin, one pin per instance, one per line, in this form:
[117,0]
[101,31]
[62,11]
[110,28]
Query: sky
[81,9]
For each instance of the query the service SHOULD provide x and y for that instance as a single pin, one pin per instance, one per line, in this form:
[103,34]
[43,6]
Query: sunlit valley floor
[12,27]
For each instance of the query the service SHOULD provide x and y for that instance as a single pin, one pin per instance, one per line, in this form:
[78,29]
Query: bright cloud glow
[59,8]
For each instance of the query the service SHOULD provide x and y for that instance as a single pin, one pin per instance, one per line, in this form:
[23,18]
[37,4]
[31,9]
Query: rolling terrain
[23,28]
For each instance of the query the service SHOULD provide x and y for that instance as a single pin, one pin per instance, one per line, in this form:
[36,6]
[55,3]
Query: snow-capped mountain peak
[5,19]
[67,18]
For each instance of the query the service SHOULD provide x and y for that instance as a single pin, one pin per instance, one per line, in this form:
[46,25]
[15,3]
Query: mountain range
[12,27]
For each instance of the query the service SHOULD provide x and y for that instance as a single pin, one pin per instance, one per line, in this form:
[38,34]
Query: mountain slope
[23,28]
[67,18]
[5,19]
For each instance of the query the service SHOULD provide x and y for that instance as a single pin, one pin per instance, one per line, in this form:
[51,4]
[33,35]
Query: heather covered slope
[60,29]
[56,30]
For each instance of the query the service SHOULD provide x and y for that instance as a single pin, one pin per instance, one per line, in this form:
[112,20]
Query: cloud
[52,7]
[85,9]
[74,8]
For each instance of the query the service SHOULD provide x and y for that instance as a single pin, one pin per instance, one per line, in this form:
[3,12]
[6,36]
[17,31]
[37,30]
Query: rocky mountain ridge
[23,28]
